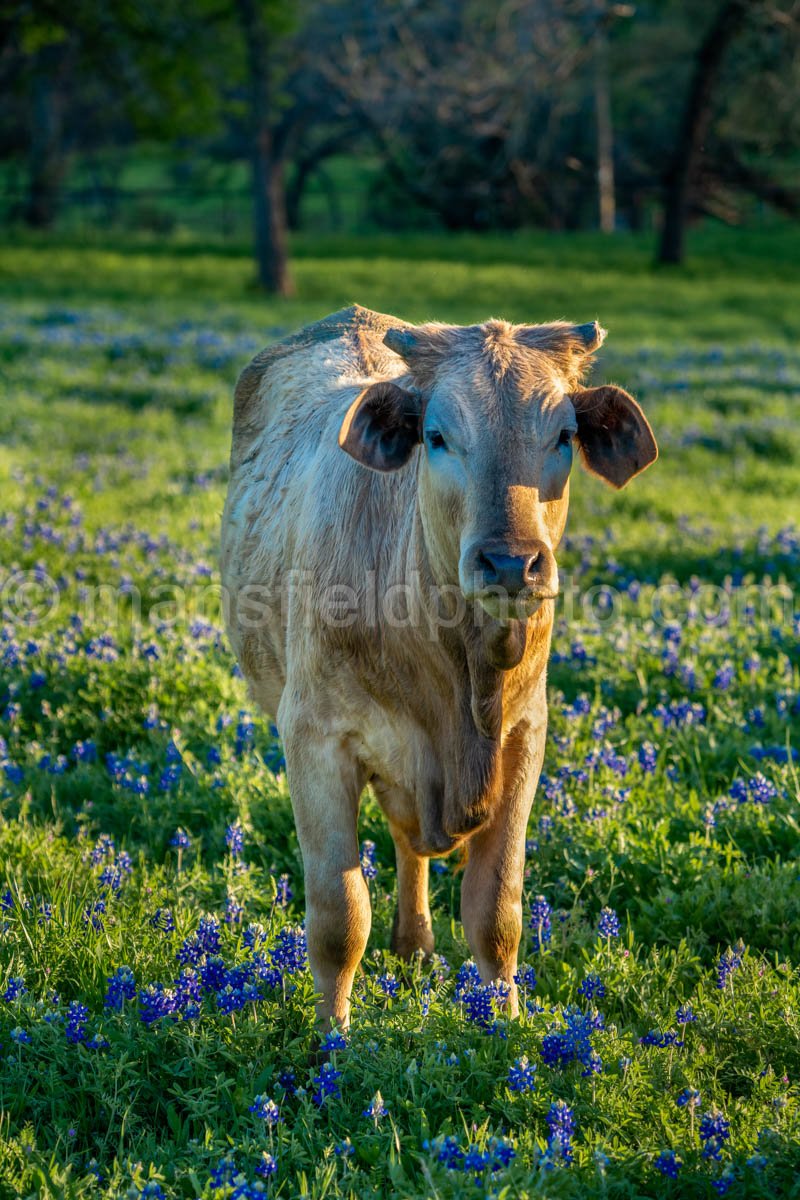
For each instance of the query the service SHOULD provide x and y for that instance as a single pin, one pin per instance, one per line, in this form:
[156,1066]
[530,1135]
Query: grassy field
[153,988]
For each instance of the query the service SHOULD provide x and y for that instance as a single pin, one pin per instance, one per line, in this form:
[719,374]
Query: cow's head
[497,410]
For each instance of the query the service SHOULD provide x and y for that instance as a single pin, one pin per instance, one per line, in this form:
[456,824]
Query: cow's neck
[491,662]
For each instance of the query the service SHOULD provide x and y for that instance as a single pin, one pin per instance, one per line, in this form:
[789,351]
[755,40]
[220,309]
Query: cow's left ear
[615,439]
[382,427]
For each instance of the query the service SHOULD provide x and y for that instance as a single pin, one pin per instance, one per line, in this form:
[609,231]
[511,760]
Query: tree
[697,113]
[266,161]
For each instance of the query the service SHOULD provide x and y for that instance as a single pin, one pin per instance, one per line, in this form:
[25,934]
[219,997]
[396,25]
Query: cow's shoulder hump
[361,326]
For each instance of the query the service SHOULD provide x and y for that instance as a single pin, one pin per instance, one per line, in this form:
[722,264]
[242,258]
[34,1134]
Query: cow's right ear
[382,427]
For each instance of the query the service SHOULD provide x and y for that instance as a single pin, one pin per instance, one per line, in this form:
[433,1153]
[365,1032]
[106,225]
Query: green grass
[117,364]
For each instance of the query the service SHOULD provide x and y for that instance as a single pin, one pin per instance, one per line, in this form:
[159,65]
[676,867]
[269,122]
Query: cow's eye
[565,437]
[435,440]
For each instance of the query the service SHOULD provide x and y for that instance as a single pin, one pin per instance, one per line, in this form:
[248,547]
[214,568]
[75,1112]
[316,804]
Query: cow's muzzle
[509,578]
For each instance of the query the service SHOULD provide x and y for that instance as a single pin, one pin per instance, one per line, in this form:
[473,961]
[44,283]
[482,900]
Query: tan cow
[397,494]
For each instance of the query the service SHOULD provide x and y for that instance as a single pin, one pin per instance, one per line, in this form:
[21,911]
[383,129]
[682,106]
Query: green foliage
[117,365]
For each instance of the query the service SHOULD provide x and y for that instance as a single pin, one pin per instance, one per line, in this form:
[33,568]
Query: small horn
[591,334]
[403,340]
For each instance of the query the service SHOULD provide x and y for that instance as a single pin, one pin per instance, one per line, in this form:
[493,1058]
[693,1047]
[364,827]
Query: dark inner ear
[615,438]
[382,427]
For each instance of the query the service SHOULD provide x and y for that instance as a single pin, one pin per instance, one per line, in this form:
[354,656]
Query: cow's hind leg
[412,929]
[325,785]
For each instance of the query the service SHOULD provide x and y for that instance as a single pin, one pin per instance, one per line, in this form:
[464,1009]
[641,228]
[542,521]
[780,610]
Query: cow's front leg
[491,890]
[325,785]
[412,929]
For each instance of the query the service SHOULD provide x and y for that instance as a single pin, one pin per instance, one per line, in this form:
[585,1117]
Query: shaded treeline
[565,114]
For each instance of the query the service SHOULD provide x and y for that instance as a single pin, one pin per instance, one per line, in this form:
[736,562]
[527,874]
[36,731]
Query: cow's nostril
[487,567]
[531,565]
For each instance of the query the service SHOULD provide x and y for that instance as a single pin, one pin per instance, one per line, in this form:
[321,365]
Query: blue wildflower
[668,1163]
[15,988]
[369,867]
[325,1083]
[541,923]
[729,962]
[376,1108]
[592,988]
[121,987]
[234,839]
[266,1110]
[561,1126]
[608,924]
[715,1129]
[521,1076]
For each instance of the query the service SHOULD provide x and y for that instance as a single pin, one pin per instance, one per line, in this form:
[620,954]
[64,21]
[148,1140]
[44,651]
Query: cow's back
[295,501]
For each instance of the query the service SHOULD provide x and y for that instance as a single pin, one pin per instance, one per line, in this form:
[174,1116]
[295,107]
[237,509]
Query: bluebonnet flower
[648,756]
[525,977]
[289,952]
[608,924]
[266,1110]
[685,1015]
[369,867]
[20,1036]
[714,1131]
[245,732]
[498,1153]
[333,1040]
[170,776]
[376,1108]
[560,1047]
[254,935]
[233,910]
[155,1003]
[93,915]
[724,1182]
[85,752]
[180,839]
[103,848]
[561,1126]
[689,1098]
[267,1166]
[541,923]
[234,839]
[729,962]
[662,1040]
[592,988]
[479,998]
[121,987]
[287,1081]
[723,678]
[668,1163]
[77,1016]
[152,1190]
[388,984]
[162,919]
[283,891]
[678,714]
[15,988]
[325,1083]
[521,1076]
[224,1174]
[344,1149]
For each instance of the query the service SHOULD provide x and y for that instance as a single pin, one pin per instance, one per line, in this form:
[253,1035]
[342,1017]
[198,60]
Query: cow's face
[498,412]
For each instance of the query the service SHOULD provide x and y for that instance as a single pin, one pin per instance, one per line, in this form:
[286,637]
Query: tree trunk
[269,200]
[47,157]
[605,134]
[694,127]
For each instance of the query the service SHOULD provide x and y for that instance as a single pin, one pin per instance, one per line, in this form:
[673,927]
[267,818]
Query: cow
[397,494]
